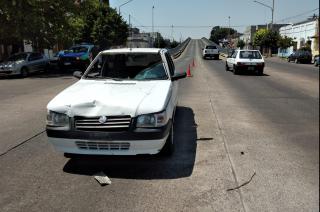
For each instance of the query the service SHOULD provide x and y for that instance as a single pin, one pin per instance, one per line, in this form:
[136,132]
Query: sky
[195,18]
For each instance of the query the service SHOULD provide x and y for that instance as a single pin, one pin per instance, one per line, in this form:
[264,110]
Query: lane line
[20,144]
[224,139]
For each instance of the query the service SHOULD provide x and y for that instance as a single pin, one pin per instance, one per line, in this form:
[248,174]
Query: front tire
[227,67]
[235,70]
[24,72]
[168,147]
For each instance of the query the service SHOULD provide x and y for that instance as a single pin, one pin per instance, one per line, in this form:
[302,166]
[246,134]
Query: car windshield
[128,66]
[78,49]
[18,57]
[250,55]
[211,47]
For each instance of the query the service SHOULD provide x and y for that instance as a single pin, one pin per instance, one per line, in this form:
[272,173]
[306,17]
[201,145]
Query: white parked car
[245,60]
[210,51]
[124,104]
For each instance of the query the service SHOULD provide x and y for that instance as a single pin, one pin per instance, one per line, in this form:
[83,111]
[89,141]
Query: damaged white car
[124,104]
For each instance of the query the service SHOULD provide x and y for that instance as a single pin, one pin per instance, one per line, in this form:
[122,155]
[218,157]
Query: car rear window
[128,66]
[211,47]
[78,49]
[250,55]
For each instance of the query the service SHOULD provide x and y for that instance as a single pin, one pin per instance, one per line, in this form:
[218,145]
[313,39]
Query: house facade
[305,33]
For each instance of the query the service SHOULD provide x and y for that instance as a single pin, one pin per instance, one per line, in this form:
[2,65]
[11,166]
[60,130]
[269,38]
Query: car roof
[133,50]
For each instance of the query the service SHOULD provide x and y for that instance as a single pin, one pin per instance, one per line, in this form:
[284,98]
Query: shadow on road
[179,165]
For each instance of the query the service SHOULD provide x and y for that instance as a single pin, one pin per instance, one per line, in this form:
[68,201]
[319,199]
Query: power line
[299,15]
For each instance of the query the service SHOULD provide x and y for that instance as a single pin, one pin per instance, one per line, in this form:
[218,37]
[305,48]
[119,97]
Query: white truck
[210,51]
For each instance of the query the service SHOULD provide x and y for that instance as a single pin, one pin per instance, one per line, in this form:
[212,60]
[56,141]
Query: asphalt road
[230,128]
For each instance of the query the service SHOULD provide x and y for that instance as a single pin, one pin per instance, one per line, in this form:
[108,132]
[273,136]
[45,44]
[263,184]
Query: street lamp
[272,9]
[124,4]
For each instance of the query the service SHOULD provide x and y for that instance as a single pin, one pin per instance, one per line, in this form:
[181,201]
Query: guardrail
[177,51]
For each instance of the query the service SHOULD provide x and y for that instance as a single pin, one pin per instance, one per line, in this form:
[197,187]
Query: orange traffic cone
[189,72]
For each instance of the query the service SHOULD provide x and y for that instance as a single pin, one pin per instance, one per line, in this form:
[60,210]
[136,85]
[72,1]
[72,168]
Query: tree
[265,38]
[241,44]
[285,42]
[109,29]
[218,33]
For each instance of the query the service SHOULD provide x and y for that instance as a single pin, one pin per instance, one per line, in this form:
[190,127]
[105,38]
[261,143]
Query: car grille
[102,145]
[112,123]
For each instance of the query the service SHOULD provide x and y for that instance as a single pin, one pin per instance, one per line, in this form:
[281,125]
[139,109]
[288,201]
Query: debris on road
[102,178]
[204,139]
[243,184]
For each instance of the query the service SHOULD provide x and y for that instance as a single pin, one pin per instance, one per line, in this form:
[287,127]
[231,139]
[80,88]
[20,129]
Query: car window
[234,55]
[127,66]
[211,47]
[18,57]
[35,56]
[250,55]
[170,64]
[78,49]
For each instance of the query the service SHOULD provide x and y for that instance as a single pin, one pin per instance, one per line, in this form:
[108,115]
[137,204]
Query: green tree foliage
[218,33]
[266,38]
[241,44]
[50,22]
[109,28]
[285,42]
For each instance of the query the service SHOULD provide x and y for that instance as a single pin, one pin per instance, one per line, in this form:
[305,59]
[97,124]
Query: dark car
[300,57]
[77,57]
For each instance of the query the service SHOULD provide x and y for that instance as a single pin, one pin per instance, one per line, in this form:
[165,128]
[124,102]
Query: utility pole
[229,33]
[152,25]
[130,31]
[172,33]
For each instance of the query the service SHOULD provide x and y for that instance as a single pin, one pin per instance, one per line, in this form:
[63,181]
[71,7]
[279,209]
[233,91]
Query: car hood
[10,63]
[111,98]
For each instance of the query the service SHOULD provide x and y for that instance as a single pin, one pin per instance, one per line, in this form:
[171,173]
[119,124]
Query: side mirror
[77,74]
[178,76]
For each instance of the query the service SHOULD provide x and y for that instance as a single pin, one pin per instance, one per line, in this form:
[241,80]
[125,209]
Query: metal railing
[177,51]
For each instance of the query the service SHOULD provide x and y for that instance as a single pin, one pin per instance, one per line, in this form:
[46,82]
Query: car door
[174,84]
[231,60]
[35,62]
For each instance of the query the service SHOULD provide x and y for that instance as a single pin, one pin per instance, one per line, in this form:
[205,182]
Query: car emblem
[103,119]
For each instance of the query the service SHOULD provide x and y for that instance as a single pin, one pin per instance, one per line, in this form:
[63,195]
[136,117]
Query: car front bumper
[139,141]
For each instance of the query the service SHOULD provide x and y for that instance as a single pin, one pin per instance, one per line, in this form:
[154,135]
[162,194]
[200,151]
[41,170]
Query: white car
[245,60]
[210,51]
[124,104]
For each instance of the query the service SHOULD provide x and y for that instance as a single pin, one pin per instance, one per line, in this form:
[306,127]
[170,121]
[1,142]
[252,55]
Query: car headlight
[58,120]
[152,120]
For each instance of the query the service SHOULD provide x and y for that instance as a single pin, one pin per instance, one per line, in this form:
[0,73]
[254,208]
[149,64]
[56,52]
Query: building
[304,33]
[139,40]
[250,31]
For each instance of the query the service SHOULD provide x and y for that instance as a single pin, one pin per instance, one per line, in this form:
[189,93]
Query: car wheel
[227,67]
[235,70]
[260,72]
[168,147]
[24,72]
